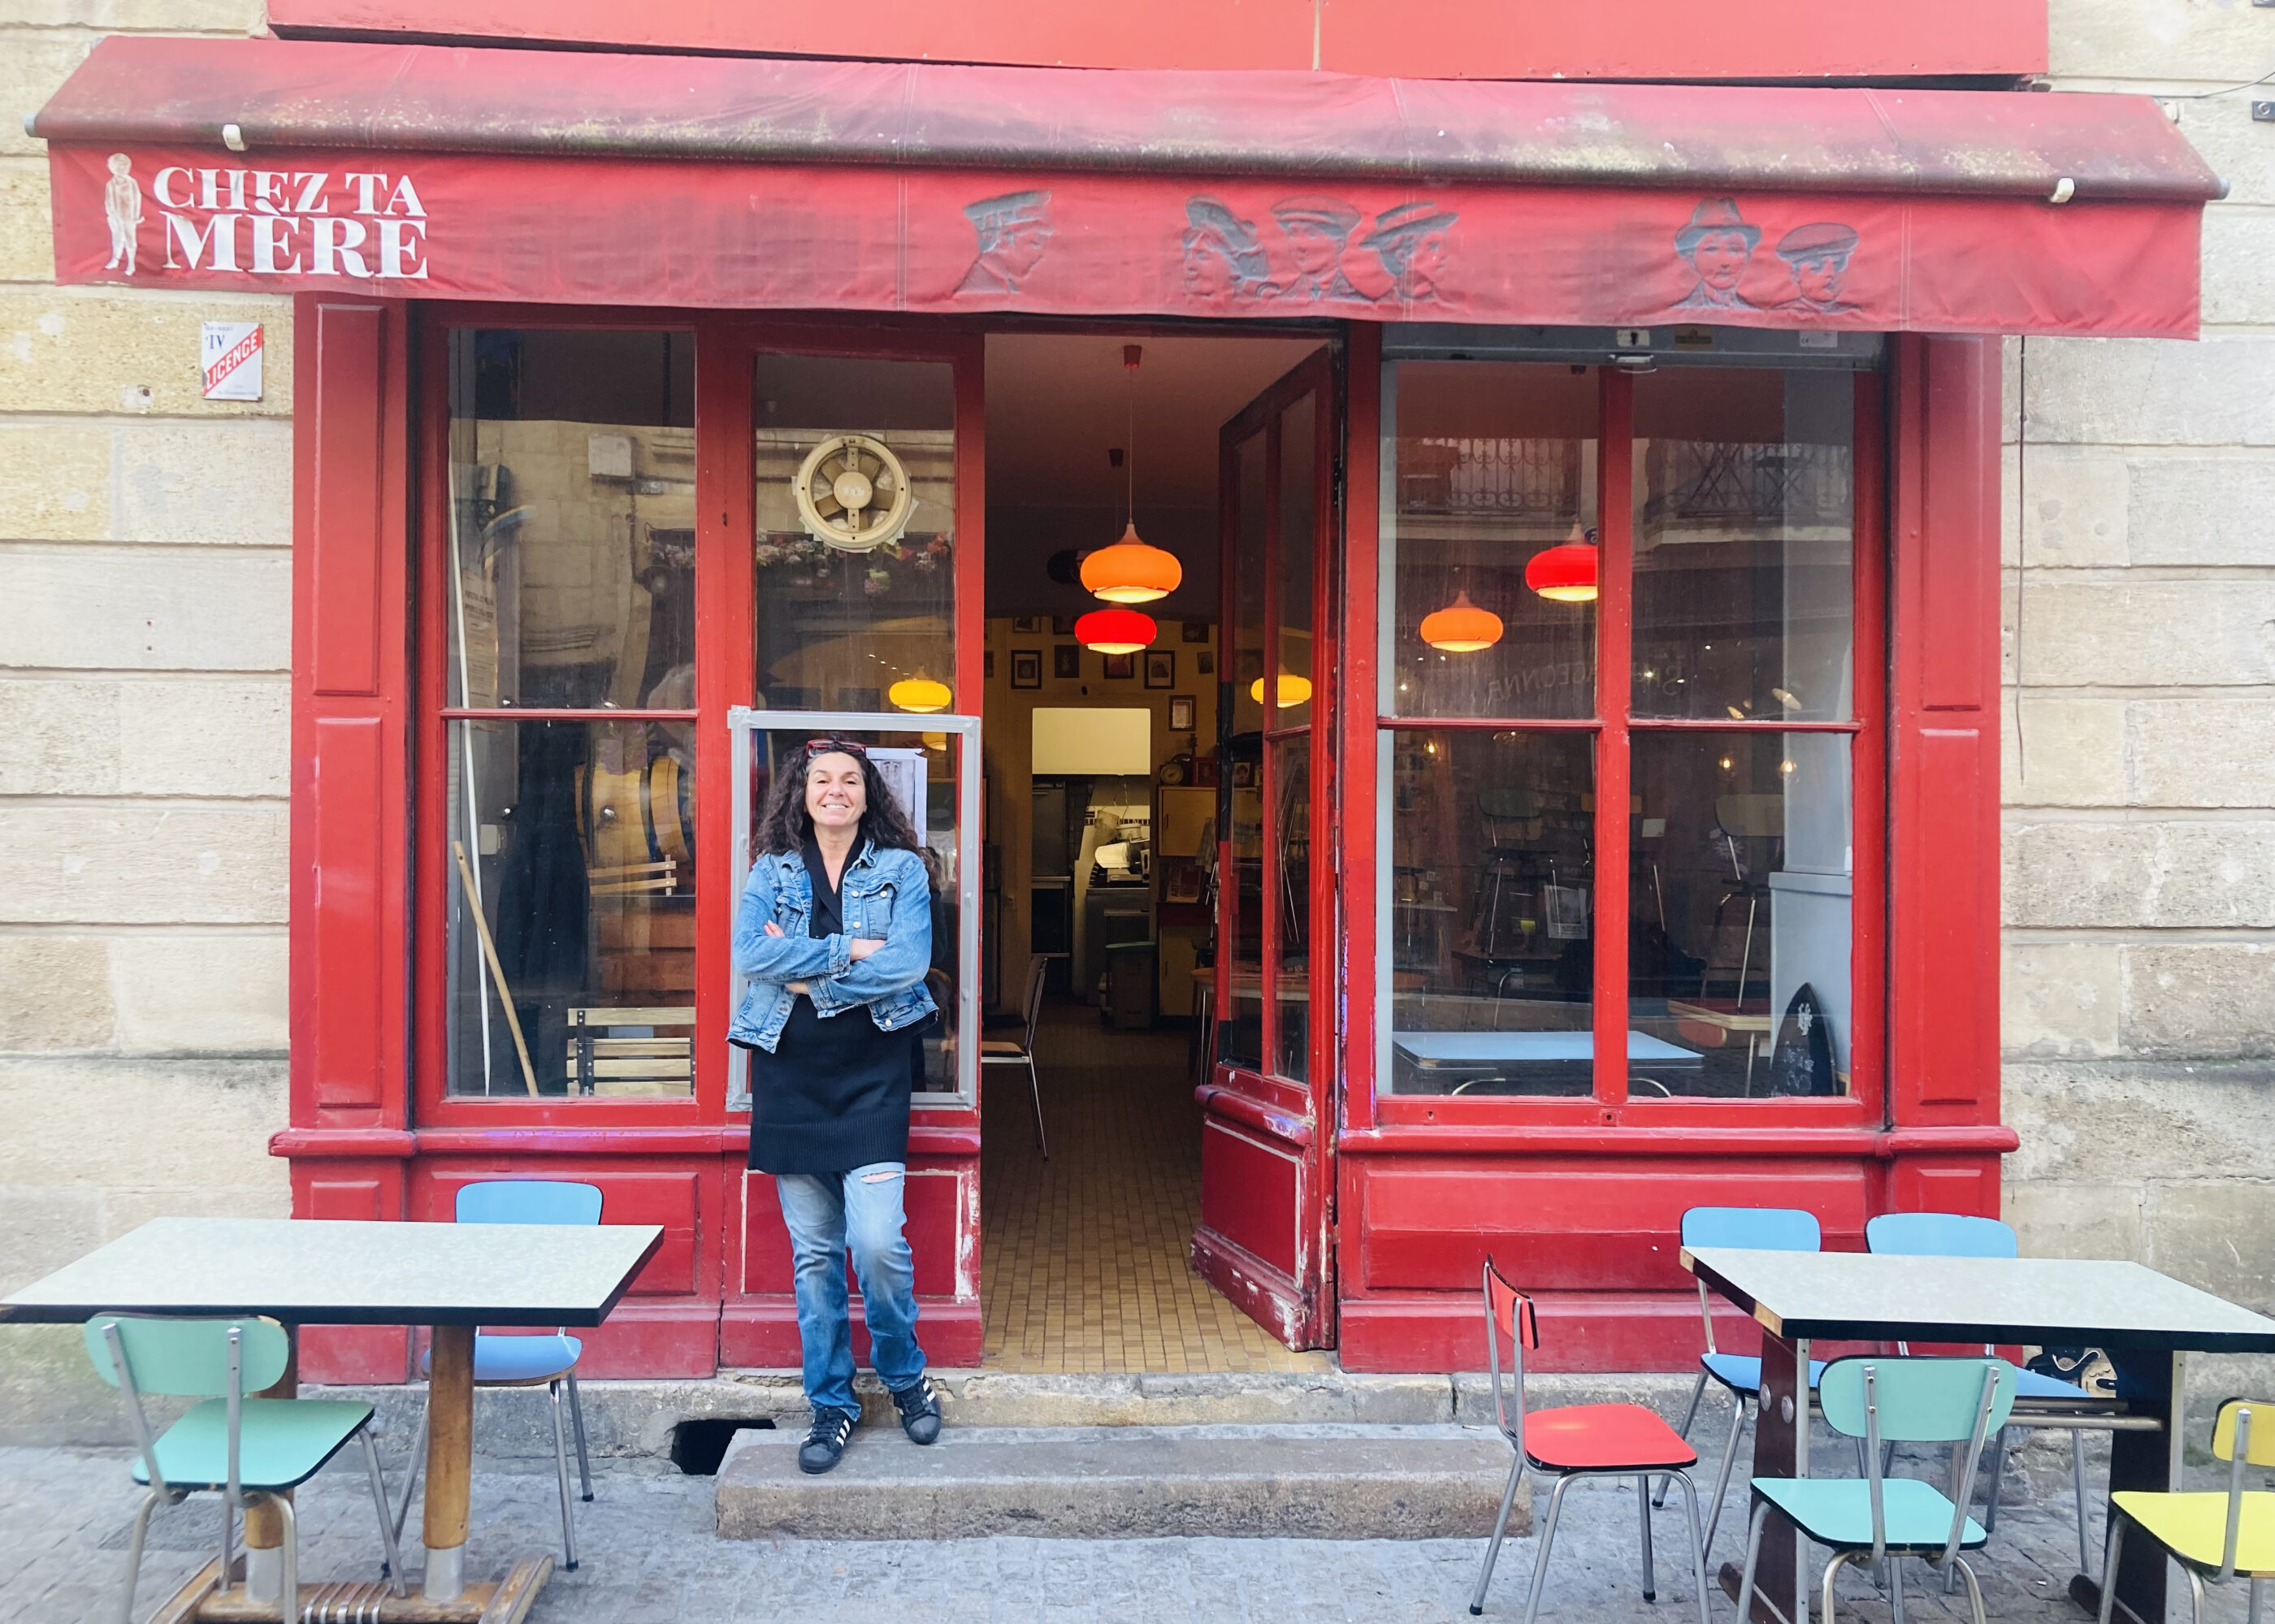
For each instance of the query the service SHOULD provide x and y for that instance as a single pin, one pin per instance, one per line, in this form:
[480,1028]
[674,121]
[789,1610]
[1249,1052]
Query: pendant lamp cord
[1130,435]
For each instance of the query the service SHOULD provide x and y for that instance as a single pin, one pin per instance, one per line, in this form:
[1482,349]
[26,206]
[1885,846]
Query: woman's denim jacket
[885,896]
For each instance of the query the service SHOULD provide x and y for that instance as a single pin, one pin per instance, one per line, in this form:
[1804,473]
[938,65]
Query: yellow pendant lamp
[1131,570]
[1294,690]
[919,693]
[1461,627]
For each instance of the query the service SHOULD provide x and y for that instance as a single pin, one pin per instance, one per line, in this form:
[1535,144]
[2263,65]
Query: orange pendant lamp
[1114,631]
[919,693]
[1293,690]
[1565,573]
[1131,570]
[1461,627]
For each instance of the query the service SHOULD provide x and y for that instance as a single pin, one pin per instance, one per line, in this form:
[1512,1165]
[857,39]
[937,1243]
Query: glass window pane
[1494,465]
[855,511]
[1488,912]
[1740,928]
[1299,463]
[1250,563]
[572,519]
[1291,763]
[921,770]
[576,840]
[1744,594]
[1240,1037]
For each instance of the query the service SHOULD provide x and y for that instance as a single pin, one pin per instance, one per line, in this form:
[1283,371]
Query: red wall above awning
[656,179]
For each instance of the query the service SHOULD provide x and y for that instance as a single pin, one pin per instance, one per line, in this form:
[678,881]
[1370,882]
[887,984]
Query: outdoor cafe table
[2146,1321]
[310,1271]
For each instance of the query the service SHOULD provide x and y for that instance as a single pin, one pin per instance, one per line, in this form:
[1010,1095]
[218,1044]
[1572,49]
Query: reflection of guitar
[637,827]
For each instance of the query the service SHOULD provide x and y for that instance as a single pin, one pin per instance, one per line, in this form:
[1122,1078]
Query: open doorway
[1102,786]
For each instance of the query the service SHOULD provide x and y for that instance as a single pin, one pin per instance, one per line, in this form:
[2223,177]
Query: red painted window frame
[725,629]
[1425,1119]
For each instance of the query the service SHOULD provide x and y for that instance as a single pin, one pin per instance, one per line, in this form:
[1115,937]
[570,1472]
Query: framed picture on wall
[1026,625]
[1204,663]
[1181,712]
[1026,668]
[1062,626]
[1121,668]
[1195,631]
[987,664]
[1066,660]
[1161,668]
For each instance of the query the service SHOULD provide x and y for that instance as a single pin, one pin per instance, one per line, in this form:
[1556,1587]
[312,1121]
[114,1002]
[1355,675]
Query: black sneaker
[825,1443]
[919,1408]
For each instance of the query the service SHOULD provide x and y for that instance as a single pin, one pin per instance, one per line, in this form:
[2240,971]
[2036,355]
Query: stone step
[1320,1481]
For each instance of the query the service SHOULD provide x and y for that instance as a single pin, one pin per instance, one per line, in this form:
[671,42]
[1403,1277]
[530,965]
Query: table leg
[2153,1383]
[1780,1450]
[449,1460]
[264,1524]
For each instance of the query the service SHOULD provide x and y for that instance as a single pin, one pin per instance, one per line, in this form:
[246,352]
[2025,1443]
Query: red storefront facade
[1542,248]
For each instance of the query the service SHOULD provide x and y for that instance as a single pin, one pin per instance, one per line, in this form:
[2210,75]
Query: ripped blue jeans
[827,1214]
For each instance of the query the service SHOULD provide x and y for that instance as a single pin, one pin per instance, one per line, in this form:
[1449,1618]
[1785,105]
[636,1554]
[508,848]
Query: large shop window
[1730,583]
[570,722]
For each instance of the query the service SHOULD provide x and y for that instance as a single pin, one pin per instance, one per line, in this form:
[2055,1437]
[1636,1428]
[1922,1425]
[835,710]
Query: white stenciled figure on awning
[121,206]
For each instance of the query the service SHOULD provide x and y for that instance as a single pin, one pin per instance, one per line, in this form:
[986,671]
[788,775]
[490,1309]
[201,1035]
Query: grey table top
[312,1272]
[1863,1296]
[1487,1048]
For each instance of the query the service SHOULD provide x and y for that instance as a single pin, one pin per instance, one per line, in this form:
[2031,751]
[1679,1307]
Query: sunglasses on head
[834,746]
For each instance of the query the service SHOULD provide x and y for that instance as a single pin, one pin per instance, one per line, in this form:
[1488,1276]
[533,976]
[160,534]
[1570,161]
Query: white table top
[1865,1297]
[1491,1048]
[313,1272]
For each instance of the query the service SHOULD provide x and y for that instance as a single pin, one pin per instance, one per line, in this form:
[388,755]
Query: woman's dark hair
[786,825]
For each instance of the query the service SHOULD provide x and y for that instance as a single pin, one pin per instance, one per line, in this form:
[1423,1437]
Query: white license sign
[230,357]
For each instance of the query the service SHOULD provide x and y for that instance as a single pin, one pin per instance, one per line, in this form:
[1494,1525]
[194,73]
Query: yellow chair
[2212,1534]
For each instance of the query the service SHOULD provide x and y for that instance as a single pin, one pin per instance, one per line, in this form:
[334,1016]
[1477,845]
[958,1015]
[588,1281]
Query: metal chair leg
[141,1531]
[2252,1616]
[1831,1571]
[1974,1590]
[561,1465]
[1500,1527]
[1997,1482]
[1642,1515]
[1540,1557]
[1698,1546]
[393,1572]
[288,1606]
[1760,1520]
[1035,1086]
[2077,1482]
[2112,1547]
[1697,1392]
[2195,1598]
[410,1473]
[1722,1477]
[577,1426]
[1896,1589]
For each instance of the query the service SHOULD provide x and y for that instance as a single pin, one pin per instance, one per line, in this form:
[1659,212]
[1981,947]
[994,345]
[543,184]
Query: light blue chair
[2044,1403]
[1880,1403]
[1754,1228]
[526,1361]
[249,1449]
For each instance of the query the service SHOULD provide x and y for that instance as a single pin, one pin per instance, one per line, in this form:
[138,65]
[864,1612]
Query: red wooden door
[1268,1185]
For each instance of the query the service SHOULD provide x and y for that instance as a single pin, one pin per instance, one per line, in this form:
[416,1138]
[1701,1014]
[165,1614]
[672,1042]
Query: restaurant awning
[653,180]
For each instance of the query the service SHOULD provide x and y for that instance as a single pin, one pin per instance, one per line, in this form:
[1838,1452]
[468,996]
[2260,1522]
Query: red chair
[1579,1440]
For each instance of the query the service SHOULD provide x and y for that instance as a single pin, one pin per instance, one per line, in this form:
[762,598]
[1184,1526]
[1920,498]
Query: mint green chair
[1869,1519]
[249,1449]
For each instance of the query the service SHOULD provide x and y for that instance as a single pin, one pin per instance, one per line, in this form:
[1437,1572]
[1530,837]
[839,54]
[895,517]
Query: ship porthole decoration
[853,495]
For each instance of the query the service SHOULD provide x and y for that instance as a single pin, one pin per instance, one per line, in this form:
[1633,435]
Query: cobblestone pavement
[649,1554]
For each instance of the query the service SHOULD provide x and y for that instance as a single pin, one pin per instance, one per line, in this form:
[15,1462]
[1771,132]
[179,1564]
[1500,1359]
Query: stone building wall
[145,594]
[2140,743]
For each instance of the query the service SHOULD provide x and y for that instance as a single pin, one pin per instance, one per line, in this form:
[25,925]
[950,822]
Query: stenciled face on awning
[646,232]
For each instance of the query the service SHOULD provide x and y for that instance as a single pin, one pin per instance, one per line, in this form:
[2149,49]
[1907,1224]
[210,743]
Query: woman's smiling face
[836,793]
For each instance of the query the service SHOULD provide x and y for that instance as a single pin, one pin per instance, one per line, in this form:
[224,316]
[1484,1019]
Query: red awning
[558,176]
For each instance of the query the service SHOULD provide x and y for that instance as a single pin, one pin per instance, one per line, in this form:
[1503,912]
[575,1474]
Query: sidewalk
[649,1557]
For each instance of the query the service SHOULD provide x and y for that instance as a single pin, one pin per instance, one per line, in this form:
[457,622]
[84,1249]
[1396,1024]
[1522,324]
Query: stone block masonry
[144,630]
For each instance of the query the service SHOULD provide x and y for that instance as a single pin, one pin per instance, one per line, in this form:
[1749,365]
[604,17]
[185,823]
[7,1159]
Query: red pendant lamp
[1114,631]
[1565,573]
[1461,627]
[1131,570]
